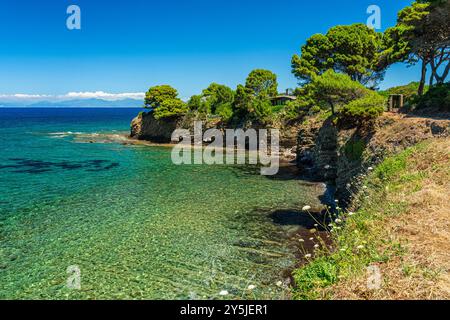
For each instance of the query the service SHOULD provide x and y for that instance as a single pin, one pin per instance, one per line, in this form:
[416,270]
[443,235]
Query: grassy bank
[401,229]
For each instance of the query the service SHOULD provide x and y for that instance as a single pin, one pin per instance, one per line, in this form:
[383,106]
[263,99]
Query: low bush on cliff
[170,108]
[363,109]
[334,89]
[349,100]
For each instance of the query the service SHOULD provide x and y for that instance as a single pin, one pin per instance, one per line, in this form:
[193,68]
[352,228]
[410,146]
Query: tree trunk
[435,67]
[423,77]
[441,79]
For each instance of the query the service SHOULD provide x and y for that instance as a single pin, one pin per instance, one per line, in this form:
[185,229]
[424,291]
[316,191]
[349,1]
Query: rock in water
[146,127]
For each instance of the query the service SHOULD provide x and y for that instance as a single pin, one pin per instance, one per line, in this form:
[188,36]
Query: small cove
[136,225]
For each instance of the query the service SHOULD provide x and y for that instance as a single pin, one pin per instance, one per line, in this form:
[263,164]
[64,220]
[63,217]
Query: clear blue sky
[127,46]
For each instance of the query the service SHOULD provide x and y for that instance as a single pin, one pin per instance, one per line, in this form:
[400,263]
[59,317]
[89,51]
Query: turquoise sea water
[135,225]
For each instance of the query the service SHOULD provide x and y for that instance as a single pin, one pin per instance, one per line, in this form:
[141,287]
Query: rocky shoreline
[323,151]
[342,156]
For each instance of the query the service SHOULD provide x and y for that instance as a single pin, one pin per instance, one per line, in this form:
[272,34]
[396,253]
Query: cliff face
[340,156]
[317,150]
[146,127]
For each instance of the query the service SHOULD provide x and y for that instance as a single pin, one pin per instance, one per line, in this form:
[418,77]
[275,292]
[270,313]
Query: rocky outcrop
[146,127]
[341,156]
[317,150]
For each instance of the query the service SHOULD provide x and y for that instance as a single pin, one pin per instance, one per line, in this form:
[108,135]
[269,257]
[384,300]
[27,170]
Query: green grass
[362,240]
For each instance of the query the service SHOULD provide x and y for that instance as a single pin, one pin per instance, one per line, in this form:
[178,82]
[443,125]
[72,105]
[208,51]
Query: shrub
[170,108]
[262,109]
[319,274]
[303,105]
[335,89]
[225,111]
[314,109]
[436,97]
[363,109]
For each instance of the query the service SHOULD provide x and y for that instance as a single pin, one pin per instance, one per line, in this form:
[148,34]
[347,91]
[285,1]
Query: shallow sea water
[137,226]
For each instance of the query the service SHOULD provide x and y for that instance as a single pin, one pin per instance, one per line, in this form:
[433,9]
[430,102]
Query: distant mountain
[77,103]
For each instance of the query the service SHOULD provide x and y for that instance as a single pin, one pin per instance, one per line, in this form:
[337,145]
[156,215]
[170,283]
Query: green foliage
[170,108]
[225,111]
[399,40]
[354,149]
[363,240]
[243,101]
[349,98]
[194,103]
[163,101]
[408,91]
[200,105]
[320,274]
[262,83]
[436,97]
[366,108]
[262,109]
[390,167]
[353,50]
[217,95]
[302,106]
[278,108]
[217,100]
[335,89]
[252,101]
[421,34]
[157,94]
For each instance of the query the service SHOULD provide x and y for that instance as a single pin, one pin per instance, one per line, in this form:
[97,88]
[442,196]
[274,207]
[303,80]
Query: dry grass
[422,229]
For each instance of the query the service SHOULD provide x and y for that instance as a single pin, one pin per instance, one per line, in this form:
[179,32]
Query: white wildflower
[316,246]
[301,240]
[338,220]
[351,213]
[251,287]
[306,208]
[307,256]
[223,293]
[279,284]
